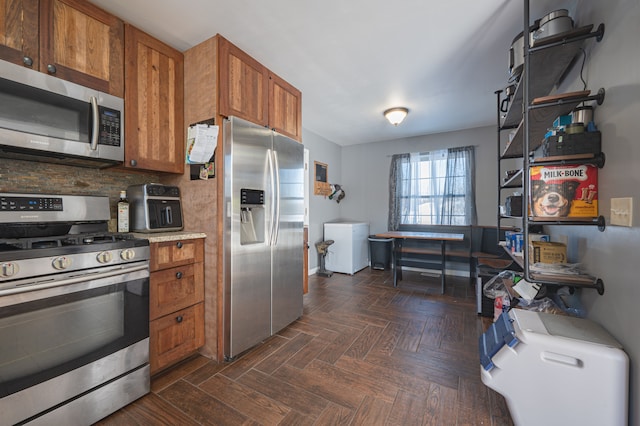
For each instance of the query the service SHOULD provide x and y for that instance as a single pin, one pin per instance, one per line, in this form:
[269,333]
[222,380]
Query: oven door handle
[89,281]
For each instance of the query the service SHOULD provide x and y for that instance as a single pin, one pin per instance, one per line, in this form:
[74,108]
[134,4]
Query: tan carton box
[547,252]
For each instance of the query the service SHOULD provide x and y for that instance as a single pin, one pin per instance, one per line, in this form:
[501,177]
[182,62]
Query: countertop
[159,237]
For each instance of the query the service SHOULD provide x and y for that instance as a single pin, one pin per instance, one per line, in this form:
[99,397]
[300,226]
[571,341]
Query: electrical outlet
[622,211]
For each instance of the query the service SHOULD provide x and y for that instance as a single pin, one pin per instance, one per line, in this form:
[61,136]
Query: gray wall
[48,178]
[365,172]
[321,209]
[614,64]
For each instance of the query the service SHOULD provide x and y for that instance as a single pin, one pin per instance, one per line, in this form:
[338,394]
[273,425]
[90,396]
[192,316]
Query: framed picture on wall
[321,184]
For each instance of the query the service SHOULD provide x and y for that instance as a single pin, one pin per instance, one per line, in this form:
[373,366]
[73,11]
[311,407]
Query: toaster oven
[154,208]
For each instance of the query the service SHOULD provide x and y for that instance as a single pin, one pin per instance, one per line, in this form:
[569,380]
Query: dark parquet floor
[363,353]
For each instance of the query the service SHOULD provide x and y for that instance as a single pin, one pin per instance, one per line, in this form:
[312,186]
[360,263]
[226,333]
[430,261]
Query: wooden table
[400,236]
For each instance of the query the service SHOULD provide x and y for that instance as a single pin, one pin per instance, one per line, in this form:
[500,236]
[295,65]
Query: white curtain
[459,194]
[435,188]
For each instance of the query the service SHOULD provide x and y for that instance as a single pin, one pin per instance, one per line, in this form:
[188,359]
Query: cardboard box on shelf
[536,237]
[564,191]
[547,252]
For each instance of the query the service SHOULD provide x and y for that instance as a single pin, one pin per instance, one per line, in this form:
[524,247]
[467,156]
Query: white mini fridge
[556,370]
[350,251]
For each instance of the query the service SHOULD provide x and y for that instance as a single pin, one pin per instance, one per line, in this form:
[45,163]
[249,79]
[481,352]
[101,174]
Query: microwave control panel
[110,128]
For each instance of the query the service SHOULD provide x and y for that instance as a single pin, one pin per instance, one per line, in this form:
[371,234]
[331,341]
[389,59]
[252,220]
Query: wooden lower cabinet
[176,301]
[175,288]
[175,336]
[170,254]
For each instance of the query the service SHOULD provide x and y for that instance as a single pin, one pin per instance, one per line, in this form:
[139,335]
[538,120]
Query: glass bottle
[123,212]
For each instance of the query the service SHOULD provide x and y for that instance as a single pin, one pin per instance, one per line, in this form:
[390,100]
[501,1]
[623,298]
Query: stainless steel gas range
[74,311]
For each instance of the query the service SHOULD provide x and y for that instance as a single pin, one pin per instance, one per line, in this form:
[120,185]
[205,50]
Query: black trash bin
[380,252]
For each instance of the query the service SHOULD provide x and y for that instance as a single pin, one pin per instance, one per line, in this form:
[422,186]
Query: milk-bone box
[564,191]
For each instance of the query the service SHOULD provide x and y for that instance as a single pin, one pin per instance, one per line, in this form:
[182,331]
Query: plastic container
[574,128]
[380,252]
[556,370]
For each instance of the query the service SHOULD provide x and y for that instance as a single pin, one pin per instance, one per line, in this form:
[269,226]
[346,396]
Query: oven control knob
[104,257]
[127,254]
[61,262]
[8,269]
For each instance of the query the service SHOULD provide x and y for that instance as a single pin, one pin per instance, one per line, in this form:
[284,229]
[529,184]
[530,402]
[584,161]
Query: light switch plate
[622,211]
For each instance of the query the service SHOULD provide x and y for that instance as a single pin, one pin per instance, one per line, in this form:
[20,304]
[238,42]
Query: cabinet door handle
[179,319]
[178,275]
[27,61]
[179,244]
[51,69]
[133,163]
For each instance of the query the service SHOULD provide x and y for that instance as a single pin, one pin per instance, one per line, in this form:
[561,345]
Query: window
[433,188]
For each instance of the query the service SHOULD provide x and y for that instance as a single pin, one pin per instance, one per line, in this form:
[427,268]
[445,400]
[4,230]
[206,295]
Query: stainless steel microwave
[44,118]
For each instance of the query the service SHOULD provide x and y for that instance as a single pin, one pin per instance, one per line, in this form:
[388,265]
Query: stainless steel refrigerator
[263,241]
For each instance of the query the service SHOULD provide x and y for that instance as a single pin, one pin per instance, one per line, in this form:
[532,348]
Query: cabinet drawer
[175,288]
[176,253]
[174,337]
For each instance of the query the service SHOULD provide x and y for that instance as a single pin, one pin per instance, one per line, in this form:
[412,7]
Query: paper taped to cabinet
[202,140]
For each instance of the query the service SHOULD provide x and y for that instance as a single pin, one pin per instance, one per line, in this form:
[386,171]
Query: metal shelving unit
[585,281]
[545,62]
[514,181]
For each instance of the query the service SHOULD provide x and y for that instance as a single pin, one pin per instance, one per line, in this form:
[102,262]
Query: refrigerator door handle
[272,180]
[276,217]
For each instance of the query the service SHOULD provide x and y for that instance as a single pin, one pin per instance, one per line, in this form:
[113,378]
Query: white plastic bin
[556,370]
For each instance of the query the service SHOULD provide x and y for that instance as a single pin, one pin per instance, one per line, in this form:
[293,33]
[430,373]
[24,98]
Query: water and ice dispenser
[252,216]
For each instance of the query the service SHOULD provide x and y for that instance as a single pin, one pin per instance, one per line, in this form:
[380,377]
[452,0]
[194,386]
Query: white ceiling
[352,59]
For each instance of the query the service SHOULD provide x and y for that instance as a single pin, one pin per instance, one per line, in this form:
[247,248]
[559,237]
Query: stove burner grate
[63,240]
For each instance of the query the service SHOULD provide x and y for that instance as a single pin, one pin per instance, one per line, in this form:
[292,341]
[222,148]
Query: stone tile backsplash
[47,178]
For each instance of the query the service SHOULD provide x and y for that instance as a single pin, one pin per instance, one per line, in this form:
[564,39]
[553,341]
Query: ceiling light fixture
[396,115]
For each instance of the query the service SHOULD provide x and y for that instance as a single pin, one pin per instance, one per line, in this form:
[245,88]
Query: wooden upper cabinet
[249,90]
[19,32]
[244,88]
[154,101]
[82,43]
[285,108]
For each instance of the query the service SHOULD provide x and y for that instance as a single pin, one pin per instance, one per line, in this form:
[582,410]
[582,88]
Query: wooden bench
[489,259]
[488,256]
